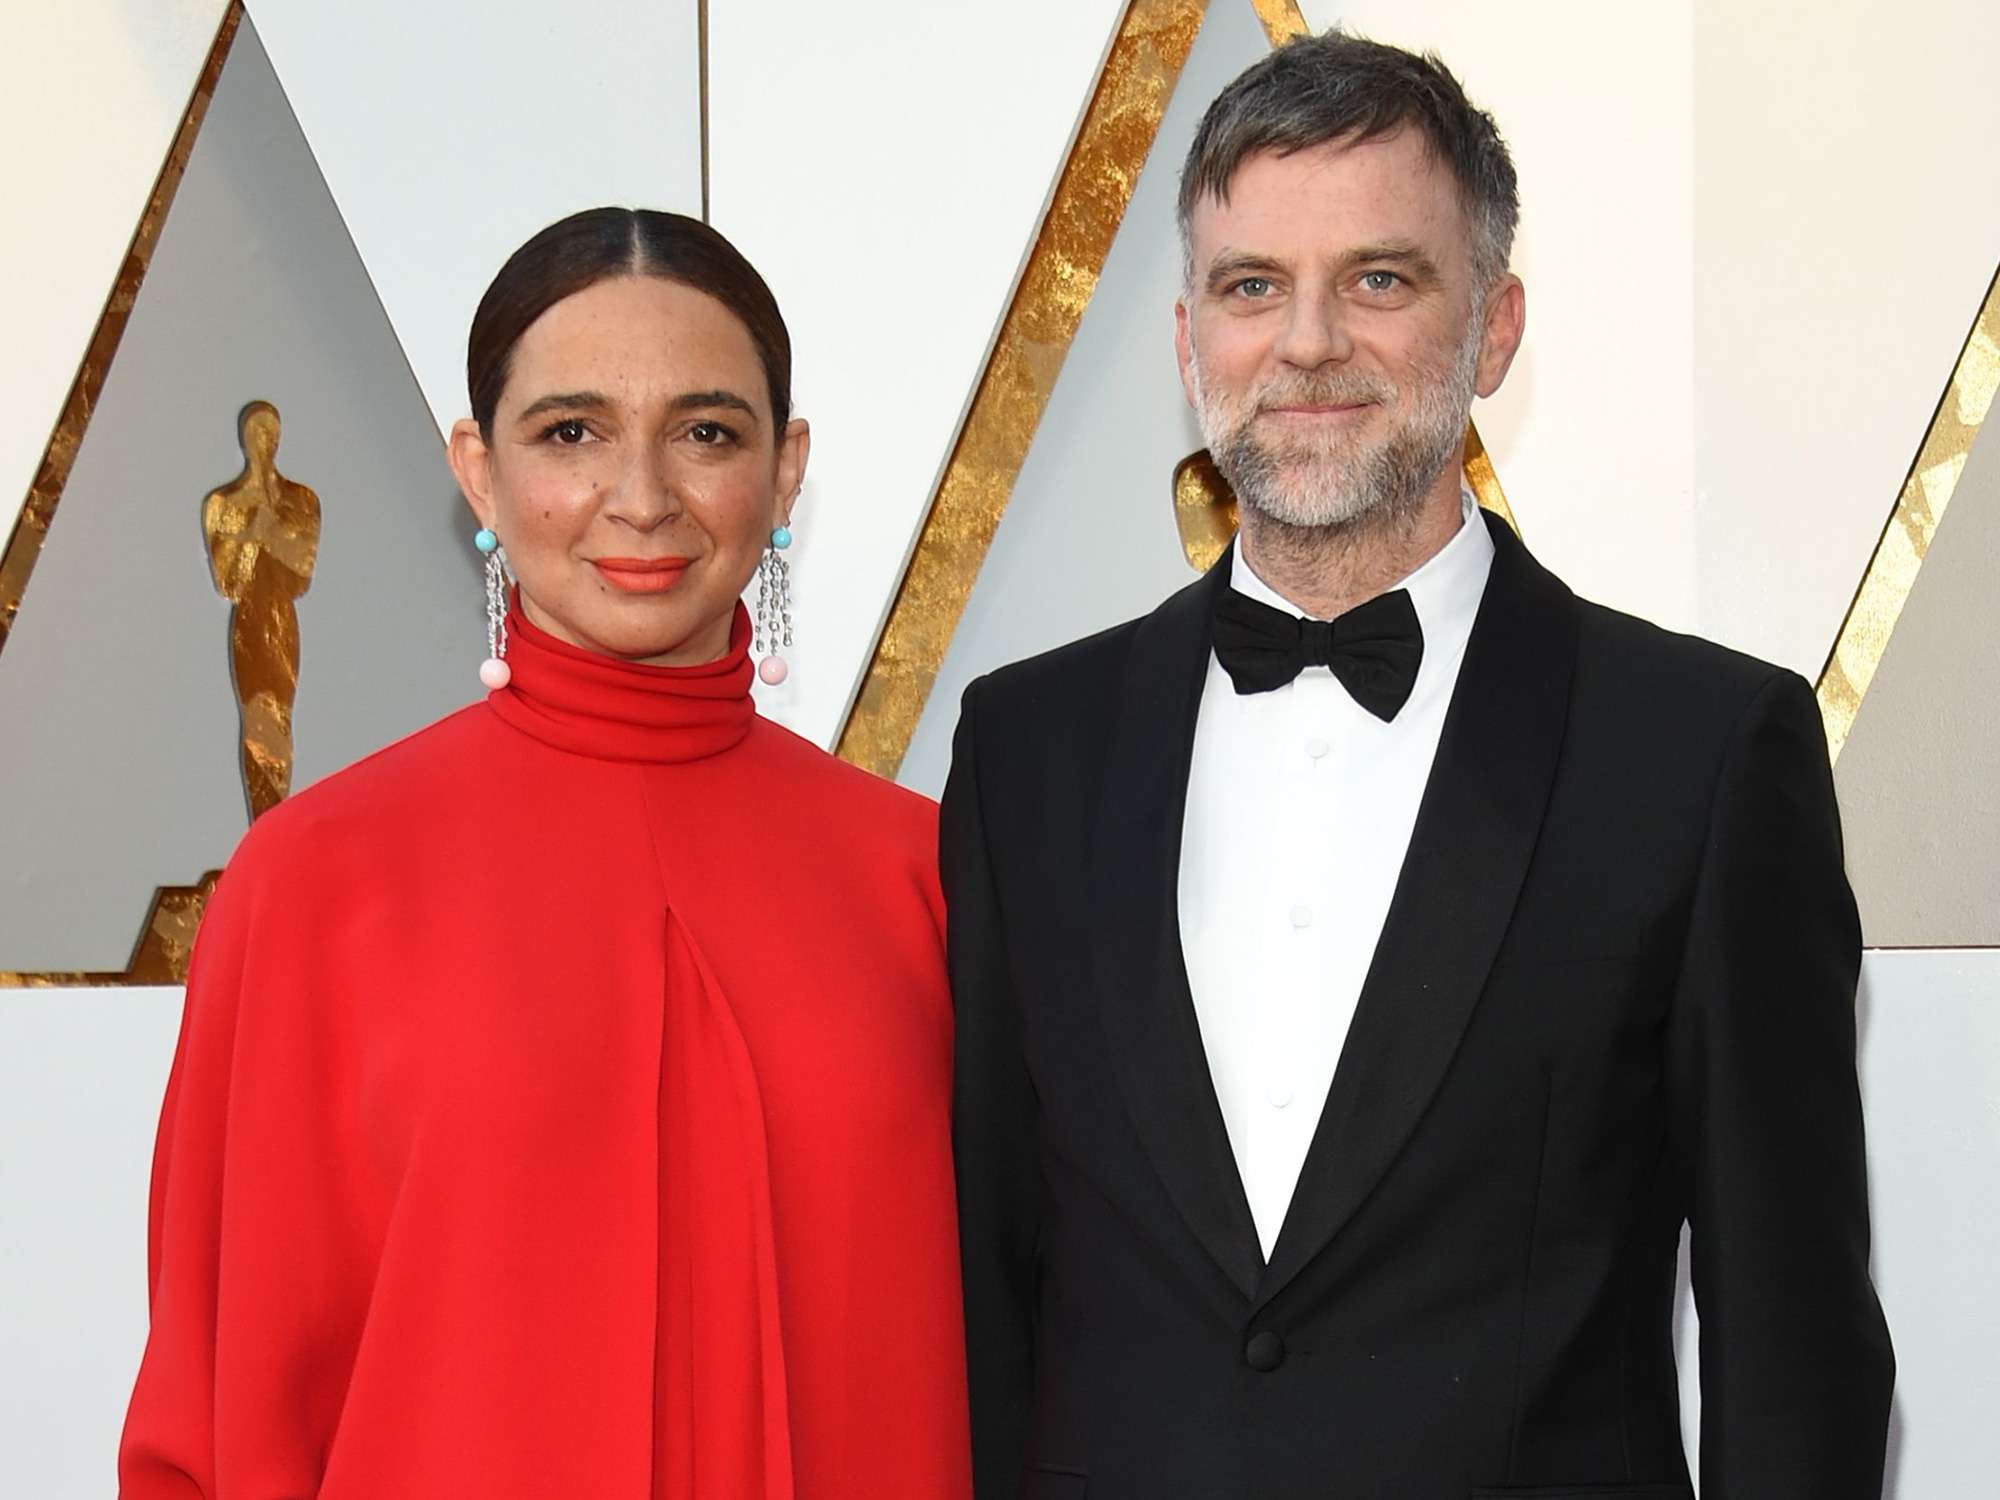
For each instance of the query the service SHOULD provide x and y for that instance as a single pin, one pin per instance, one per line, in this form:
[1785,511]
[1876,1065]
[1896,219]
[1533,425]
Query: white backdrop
[1592,433]
[1754,238]
[886,167]
[81,1075]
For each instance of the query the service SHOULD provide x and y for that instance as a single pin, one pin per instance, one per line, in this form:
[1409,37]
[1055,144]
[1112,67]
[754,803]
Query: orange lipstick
[641,575]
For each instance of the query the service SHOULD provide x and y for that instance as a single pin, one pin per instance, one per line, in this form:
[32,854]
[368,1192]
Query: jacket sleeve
[1796,1367]
[994,1132]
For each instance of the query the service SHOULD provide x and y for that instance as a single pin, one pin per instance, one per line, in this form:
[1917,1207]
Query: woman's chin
[662,641]
[671,627]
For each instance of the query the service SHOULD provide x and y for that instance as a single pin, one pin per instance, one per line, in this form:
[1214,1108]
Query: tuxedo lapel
[1149,1017]
[1469,851]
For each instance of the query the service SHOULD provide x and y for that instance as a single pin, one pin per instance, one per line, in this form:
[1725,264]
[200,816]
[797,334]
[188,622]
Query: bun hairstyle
[588,247]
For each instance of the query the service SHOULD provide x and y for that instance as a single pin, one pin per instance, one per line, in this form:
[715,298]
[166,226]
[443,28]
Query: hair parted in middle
[575,253]
[1336,86]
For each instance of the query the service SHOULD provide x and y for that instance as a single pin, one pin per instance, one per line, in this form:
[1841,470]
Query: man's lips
[1317,408]
[641,575]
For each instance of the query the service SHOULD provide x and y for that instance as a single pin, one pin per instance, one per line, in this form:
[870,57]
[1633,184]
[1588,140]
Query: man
[1350,1014]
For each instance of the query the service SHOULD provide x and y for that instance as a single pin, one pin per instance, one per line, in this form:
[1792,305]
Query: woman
[561,1107]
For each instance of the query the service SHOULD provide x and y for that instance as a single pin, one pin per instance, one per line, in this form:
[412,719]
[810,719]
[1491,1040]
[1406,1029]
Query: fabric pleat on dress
[724,1431]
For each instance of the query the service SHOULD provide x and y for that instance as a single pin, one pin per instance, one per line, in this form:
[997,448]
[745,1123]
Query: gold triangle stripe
[1282,19]
[38,513]
[1140,70]
[1906,537]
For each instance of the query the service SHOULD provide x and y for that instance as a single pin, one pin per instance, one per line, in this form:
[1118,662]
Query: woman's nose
[646,495]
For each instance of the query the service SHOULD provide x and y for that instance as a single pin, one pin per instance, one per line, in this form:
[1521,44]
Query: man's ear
[1500,338]
[1184,347]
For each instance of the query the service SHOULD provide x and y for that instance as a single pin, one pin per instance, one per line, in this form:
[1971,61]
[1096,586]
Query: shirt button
[1277,1095]
[1317,748]
[1302,916]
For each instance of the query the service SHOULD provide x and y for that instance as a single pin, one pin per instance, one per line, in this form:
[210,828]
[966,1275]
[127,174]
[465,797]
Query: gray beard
[1331,486]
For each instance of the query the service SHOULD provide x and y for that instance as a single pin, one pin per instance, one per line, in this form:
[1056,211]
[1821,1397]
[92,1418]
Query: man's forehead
[1403,147]
[1363,192]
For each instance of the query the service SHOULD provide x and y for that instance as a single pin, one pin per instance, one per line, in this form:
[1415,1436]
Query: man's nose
[1315,332]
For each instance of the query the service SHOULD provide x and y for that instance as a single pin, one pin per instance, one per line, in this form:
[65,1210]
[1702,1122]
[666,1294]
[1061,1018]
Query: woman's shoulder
[882,837]
[870,823]
[844,790]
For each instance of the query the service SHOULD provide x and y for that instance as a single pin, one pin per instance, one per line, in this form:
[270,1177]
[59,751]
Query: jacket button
[1264,1352]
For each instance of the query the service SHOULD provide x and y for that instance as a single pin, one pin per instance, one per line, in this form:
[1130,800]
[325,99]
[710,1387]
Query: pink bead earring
[494,671]
[774,609]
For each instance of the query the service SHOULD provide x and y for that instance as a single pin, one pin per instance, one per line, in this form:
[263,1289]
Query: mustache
[1343,389]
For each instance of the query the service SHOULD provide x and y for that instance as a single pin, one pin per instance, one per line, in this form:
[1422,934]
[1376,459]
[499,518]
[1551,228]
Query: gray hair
[1336,86]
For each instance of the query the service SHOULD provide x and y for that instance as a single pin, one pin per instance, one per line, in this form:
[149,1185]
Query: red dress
[562,1109]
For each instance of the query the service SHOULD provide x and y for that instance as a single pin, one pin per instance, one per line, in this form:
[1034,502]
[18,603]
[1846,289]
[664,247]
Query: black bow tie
[1374,649]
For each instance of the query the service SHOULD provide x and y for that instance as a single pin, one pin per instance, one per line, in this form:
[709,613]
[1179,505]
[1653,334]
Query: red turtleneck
[562,1108]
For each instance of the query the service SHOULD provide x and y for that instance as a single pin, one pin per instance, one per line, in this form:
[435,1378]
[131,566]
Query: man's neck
[1325,571]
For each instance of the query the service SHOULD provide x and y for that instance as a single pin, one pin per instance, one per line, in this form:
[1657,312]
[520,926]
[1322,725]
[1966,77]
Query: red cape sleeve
[256,1281]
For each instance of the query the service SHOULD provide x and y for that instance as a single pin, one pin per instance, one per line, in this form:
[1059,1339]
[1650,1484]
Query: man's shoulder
[1089,671]
[1077,669]
[1057,709]
[1686,678]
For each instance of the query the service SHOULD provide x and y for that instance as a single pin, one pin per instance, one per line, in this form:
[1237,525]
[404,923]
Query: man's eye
[569,433]
[1252,286]
[710,434]
[1381,281]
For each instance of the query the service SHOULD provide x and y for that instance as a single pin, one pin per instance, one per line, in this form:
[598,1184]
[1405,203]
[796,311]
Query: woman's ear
[794,446]
[472,465]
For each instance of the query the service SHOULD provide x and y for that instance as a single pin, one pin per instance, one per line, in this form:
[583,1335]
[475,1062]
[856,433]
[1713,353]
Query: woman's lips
[641,575]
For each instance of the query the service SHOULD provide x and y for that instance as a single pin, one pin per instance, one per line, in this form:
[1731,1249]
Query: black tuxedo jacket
[1614,992]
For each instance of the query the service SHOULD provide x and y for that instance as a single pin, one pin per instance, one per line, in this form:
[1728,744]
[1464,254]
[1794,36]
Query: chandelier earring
[494,671]
[773,615]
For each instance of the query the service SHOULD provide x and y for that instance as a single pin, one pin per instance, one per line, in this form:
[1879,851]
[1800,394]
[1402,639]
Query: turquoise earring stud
[781,538]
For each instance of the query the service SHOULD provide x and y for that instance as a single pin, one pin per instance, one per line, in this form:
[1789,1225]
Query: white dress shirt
[1299,810]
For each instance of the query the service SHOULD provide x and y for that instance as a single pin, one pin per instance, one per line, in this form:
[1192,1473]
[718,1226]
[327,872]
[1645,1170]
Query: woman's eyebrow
[598,401]
[695,399]
[565,401]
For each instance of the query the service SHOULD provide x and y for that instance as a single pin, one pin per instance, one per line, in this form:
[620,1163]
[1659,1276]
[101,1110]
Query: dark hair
[1316,89]
[586,248]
